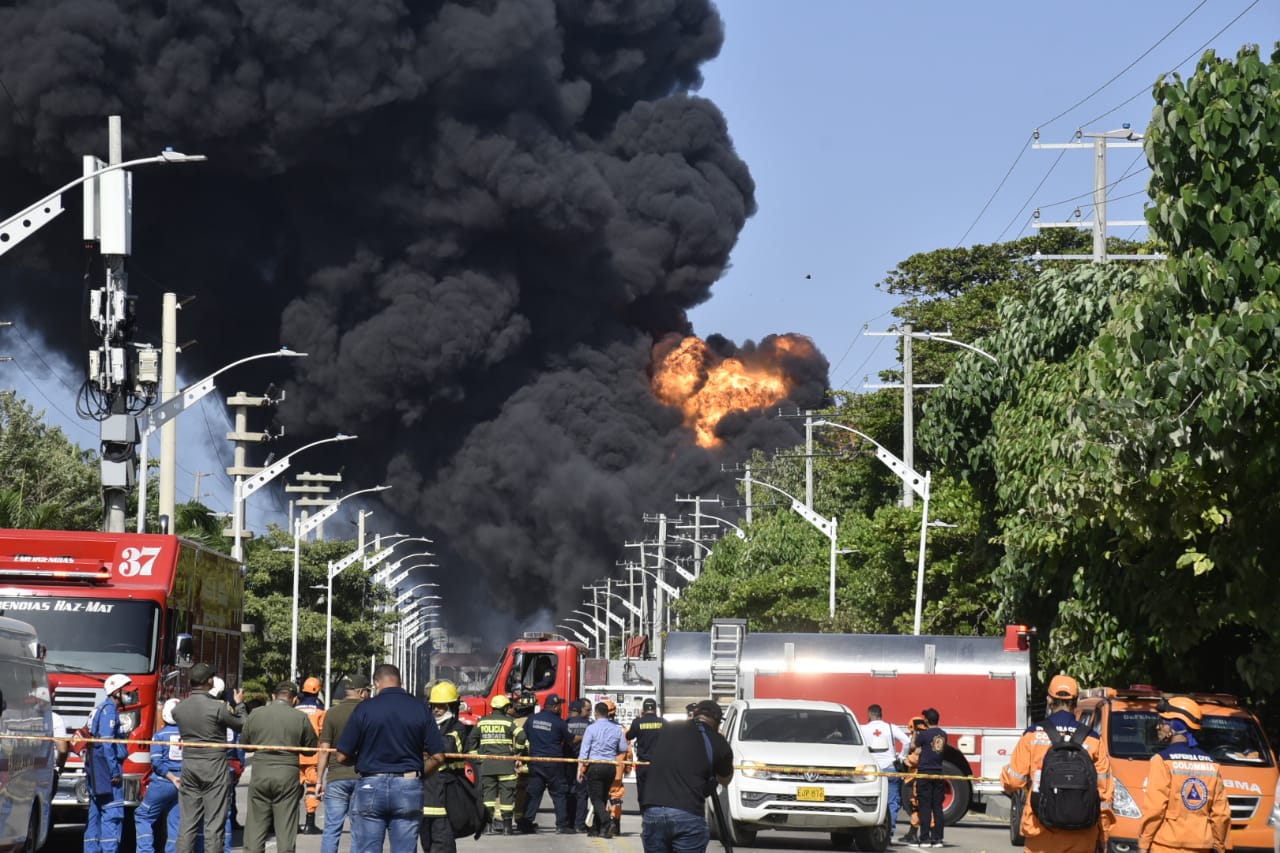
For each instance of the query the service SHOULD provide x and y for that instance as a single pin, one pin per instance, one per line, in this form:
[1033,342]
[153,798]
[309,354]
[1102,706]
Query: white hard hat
[166,712]
[116,682]
[218,686]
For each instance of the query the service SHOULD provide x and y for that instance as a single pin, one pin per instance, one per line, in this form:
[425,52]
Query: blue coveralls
[103,764]
[161,801]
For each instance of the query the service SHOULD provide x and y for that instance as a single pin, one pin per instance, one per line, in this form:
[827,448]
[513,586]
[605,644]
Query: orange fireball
[706,386]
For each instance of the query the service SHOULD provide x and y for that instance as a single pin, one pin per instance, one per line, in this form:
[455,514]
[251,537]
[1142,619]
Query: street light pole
[827,527]
[157,416]
[914,482]
[300,529]
[30,219]
[247,487]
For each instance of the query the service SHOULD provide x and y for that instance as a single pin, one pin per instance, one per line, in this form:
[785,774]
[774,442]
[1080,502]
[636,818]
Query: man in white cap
[104,768]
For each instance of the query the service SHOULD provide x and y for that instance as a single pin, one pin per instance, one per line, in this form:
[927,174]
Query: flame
[706,386]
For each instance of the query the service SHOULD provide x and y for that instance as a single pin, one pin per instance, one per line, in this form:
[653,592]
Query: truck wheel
[1016,838]
[955,799]
[842,840]
[33,831]
[874,839]
[743,834]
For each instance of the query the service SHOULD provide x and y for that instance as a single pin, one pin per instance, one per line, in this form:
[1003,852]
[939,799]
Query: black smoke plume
[476,217]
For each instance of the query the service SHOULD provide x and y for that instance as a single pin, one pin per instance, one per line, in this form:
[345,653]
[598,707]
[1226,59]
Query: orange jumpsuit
[1023,772]
[307,763]
[1186,805]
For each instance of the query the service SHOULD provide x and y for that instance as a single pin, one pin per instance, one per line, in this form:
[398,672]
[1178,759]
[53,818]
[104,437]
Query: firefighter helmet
[116,682]
[500,701]
[1181,708]
[166,712]
[444,693]
[311,685]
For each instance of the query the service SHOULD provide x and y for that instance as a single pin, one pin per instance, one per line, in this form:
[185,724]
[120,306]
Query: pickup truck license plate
[811,795]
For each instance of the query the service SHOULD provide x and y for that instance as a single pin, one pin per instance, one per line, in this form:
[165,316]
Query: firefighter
[1186,807]
[310,704]
[1024,769]
[436,833]
[523,707]
[617,790]
[909,761]
[495,736]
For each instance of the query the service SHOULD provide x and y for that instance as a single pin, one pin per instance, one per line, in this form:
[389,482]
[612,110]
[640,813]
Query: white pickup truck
[787,750]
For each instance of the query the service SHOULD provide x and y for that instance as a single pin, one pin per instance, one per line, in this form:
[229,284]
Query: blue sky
[874,131]
[878,130]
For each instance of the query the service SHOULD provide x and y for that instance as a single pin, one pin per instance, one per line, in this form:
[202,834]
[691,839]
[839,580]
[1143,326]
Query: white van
[27,753]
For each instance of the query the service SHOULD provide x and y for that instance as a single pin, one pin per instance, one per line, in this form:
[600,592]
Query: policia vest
[498,734]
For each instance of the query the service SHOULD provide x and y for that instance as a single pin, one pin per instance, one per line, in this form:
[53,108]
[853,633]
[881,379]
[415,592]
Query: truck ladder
[727,636]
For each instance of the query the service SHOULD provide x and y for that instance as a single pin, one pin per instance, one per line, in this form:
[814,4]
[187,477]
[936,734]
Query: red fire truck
[981,686]
[145,605]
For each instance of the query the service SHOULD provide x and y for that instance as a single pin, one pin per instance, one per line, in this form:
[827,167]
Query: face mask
[443,716]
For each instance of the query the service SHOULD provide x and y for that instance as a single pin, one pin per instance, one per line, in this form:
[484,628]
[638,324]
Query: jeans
[160,802]
[105,823]
[337,802]
[382,806]
[895,801]
[668,830]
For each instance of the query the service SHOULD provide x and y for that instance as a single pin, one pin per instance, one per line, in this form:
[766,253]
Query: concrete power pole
[169,432]
[908,387]
[240,435]
[1122,138]
[317,487]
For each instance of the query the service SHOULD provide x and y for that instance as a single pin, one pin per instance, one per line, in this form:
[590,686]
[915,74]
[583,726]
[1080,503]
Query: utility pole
[4,324]
[196,495]
[697,502]
[166,505]
[1102,141]
[908,396]
[319,486]
[240,404]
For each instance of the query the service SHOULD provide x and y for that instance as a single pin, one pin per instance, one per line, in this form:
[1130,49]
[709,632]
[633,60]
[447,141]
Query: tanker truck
[981,686]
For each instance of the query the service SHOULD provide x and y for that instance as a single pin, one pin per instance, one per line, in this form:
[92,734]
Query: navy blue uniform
[549,737]
[929,792]
[578,798]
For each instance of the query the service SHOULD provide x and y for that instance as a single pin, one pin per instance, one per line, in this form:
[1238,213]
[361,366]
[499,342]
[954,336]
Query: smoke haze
[478,218]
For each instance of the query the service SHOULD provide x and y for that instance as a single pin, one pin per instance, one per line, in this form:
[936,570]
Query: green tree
[46,481]
[359,622]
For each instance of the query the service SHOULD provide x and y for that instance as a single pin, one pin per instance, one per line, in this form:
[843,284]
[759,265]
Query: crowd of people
[385,761]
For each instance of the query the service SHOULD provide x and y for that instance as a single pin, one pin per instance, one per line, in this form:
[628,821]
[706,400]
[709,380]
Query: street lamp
[569,630]
[332,571]
[26,222]
[919,485]
[405,595]
[300,529]
[247,487]
[827,527]
[157,416]
[591,626]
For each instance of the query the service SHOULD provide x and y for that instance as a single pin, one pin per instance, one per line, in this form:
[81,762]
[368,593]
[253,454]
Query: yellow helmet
[1181,708]
[311,685]
[500,701]
[444,693]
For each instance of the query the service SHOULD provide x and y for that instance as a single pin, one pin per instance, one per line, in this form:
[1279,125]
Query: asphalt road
[974,834]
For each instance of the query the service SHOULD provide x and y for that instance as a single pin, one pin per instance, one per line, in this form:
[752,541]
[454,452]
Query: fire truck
[981,686]
[145,605]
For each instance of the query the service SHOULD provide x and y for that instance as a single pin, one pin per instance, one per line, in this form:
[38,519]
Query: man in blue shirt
[577,803]
[604,741]
[549,737]
[386,739]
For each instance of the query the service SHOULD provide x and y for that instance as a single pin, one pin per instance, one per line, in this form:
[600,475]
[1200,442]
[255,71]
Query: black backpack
[464,804]
[1068,795]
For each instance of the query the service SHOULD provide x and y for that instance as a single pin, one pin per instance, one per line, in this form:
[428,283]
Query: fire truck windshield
[91,634]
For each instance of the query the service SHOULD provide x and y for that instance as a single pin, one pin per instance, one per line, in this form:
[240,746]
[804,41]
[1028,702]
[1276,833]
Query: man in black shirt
[688,758]
[643,732]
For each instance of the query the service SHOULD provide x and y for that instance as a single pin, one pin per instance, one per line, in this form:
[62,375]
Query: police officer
[275,788]
[1186,807]
[436,833]
[577,800]
[312,705]
[205,791]
[104,768]
[161,801]
[498,735]
[642,733]
[549,737]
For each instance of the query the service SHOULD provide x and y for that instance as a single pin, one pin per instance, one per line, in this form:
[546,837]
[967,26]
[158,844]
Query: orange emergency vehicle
[1125,719]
